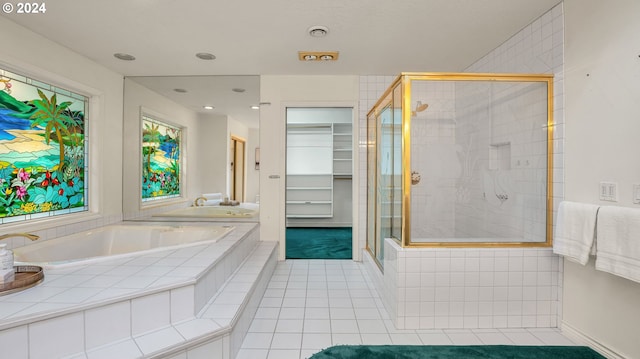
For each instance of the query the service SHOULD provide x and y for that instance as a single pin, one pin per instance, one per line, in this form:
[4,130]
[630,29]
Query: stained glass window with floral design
[43,152]
[161,160]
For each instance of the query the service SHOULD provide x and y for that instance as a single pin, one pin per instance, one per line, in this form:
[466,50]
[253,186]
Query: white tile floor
[310,305]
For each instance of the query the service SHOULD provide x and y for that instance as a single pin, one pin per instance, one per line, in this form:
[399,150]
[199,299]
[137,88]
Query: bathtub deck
[129,304]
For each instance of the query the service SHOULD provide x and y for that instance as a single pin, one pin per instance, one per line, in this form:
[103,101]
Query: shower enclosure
[461,160]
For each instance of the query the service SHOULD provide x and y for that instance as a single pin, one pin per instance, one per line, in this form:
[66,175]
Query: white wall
[602,76]
[283,91]
[28,53]
[138,98]
[253,174]
[214,147]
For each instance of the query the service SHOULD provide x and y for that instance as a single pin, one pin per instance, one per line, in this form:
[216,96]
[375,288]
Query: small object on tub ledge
[6,264]
[229,203]
[26,276]
[7,276]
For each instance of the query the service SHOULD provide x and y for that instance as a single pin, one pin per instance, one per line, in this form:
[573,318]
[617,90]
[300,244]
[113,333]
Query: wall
[371,89]
[253,174]
[213,144]
[602,72]
[283,91]
[138,98]
[26,52]
[433,155]
[427,288]
[500,130]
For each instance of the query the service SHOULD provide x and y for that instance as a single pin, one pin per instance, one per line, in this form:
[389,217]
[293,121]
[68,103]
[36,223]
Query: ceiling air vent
[317,55]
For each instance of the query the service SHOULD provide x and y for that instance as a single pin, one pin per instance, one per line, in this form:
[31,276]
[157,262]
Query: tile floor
[310,305]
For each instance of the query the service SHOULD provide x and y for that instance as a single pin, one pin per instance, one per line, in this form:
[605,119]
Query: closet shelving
[316,155]
[309,171]
[342,150]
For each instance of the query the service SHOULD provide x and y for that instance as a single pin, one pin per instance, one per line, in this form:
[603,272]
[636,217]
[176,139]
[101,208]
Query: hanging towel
[575,231]
[212,196]
[618,249]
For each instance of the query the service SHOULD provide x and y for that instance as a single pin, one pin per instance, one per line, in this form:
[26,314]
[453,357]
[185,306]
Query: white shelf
[324,148]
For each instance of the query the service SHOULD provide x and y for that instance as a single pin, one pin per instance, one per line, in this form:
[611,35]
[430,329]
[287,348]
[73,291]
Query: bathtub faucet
[32,237]
[195,203]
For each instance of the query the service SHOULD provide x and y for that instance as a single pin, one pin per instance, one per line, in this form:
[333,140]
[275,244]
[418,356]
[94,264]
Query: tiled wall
[431,288]
[501,132]
[434,156]
[371,88]
[478,288]
[538,48]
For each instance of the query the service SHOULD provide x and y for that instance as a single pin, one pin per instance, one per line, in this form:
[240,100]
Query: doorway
[237,154]
[319,168]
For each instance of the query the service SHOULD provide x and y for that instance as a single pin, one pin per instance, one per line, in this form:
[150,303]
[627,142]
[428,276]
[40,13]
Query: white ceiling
[216,91]
[257,37]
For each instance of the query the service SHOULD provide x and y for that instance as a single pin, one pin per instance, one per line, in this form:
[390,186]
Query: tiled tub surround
[427,288]
[152,305]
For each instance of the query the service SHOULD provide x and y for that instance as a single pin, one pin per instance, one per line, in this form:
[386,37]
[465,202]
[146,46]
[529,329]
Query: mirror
[210,111]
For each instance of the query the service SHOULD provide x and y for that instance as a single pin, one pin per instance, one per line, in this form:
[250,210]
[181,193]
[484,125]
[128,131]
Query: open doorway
[319,169]
[238,166]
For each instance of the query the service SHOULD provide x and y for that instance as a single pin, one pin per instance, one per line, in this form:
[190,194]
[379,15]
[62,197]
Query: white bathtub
[244,210]
[116,241]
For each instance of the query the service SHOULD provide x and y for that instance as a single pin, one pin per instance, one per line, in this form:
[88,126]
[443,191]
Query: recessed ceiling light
[123,56]
[180,90]
[205,56]
[310,57]
[238,90]
[254,107]
[208,107]
[326,57]
[318,31]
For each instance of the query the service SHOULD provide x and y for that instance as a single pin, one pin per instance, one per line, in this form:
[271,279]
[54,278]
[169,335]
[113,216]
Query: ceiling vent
[317,55]
[318,31]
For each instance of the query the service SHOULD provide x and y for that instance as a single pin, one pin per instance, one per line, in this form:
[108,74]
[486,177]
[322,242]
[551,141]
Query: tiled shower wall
[501,134]
[431,288]
[434,156]
[526,284]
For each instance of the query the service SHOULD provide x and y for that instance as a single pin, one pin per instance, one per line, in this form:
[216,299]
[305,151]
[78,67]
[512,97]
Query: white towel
[575,231]
[212,196]
[618,249]
[212,202]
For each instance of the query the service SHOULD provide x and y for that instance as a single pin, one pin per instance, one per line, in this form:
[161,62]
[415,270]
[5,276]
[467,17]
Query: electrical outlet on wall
[609,191]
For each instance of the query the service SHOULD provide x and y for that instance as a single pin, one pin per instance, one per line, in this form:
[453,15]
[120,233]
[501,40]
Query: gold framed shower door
[403,85]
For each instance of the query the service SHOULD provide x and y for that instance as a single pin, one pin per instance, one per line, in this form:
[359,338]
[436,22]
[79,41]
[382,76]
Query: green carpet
[318,243]
[456,352]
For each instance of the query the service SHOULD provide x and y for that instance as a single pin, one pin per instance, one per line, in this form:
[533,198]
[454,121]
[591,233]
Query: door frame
[234,168]
[356,196]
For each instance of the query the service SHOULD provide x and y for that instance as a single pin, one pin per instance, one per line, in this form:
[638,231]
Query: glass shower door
[384,180]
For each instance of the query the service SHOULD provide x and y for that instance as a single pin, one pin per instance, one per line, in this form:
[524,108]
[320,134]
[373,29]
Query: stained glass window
[43,149]
[161,160]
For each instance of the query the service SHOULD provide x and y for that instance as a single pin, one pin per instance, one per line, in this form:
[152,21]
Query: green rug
[456,352]
[318,243]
